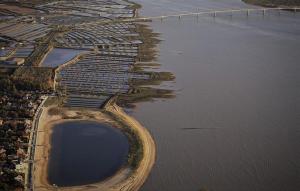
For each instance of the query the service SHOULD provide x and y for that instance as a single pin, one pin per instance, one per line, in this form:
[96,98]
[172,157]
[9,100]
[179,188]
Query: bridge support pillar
[215,14]
[264,12]
[248,12]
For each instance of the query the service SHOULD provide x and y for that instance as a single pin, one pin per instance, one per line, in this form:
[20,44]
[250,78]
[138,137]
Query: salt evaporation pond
[59,56]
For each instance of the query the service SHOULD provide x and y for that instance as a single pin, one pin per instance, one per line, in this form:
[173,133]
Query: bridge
[214,13]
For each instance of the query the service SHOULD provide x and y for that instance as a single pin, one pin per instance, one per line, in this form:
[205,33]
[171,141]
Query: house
[19,178]
[21,153]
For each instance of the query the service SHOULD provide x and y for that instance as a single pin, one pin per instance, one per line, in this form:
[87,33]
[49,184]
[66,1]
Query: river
[234,124]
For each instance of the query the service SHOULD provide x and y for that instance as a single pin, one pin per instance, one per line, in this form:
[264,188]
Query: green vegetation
[5,72]
[136,148]
[135,5]
[26,79]
[44,46]
[6,84]
[274,3]
[135,153]
[33,78]
[147,50]
[17,109]
[8,181]
[155,78]
[146,56]
[140,94]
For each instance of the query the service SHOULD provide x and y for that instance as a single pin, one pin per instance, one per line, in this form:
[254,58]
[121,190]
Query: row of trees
[13,85]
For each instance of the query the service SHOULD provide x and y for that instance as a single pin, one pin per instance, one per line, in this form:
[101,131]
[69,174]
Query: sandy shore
[124,180]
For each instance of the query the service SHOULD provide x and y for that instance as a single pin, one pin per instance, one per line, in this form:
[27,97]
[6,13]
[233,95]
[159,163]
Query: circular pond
[85,152]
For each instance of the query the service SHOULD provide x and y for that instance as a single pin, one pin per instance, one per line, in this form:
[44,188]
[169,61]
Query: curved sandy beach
[124,180]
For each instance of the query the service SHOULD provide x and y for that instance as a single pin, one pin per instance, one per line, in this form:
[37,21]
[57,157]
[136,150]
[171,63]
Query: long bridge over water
[198,13]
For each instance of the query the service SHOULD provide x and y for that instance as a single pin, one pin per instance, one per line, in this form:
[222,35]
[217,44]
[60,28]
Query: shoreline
[125,179]
[271,5]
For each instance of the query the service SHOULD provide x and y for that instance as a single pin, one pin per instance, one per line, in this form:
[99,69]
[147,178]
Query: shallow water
[85,152]
[234,124]
[59,56]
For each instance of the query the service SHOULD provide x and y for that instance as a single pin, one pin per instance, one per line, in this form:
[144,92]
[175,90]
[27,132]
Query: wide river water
[234,124]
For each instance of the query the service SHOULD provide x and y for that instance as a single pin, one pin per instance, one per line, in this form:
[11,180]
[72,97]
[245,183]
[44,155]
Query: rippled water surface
[234,124]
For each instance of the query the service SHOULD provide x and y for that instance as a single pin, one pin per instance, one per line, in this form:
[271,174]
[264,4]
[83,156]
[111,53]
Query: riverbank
[274,3]
[127,178]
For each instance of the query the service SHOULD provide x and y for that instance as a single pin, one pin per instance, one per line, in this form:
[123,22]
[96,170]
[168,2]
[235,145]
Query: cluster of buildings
[17,111]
